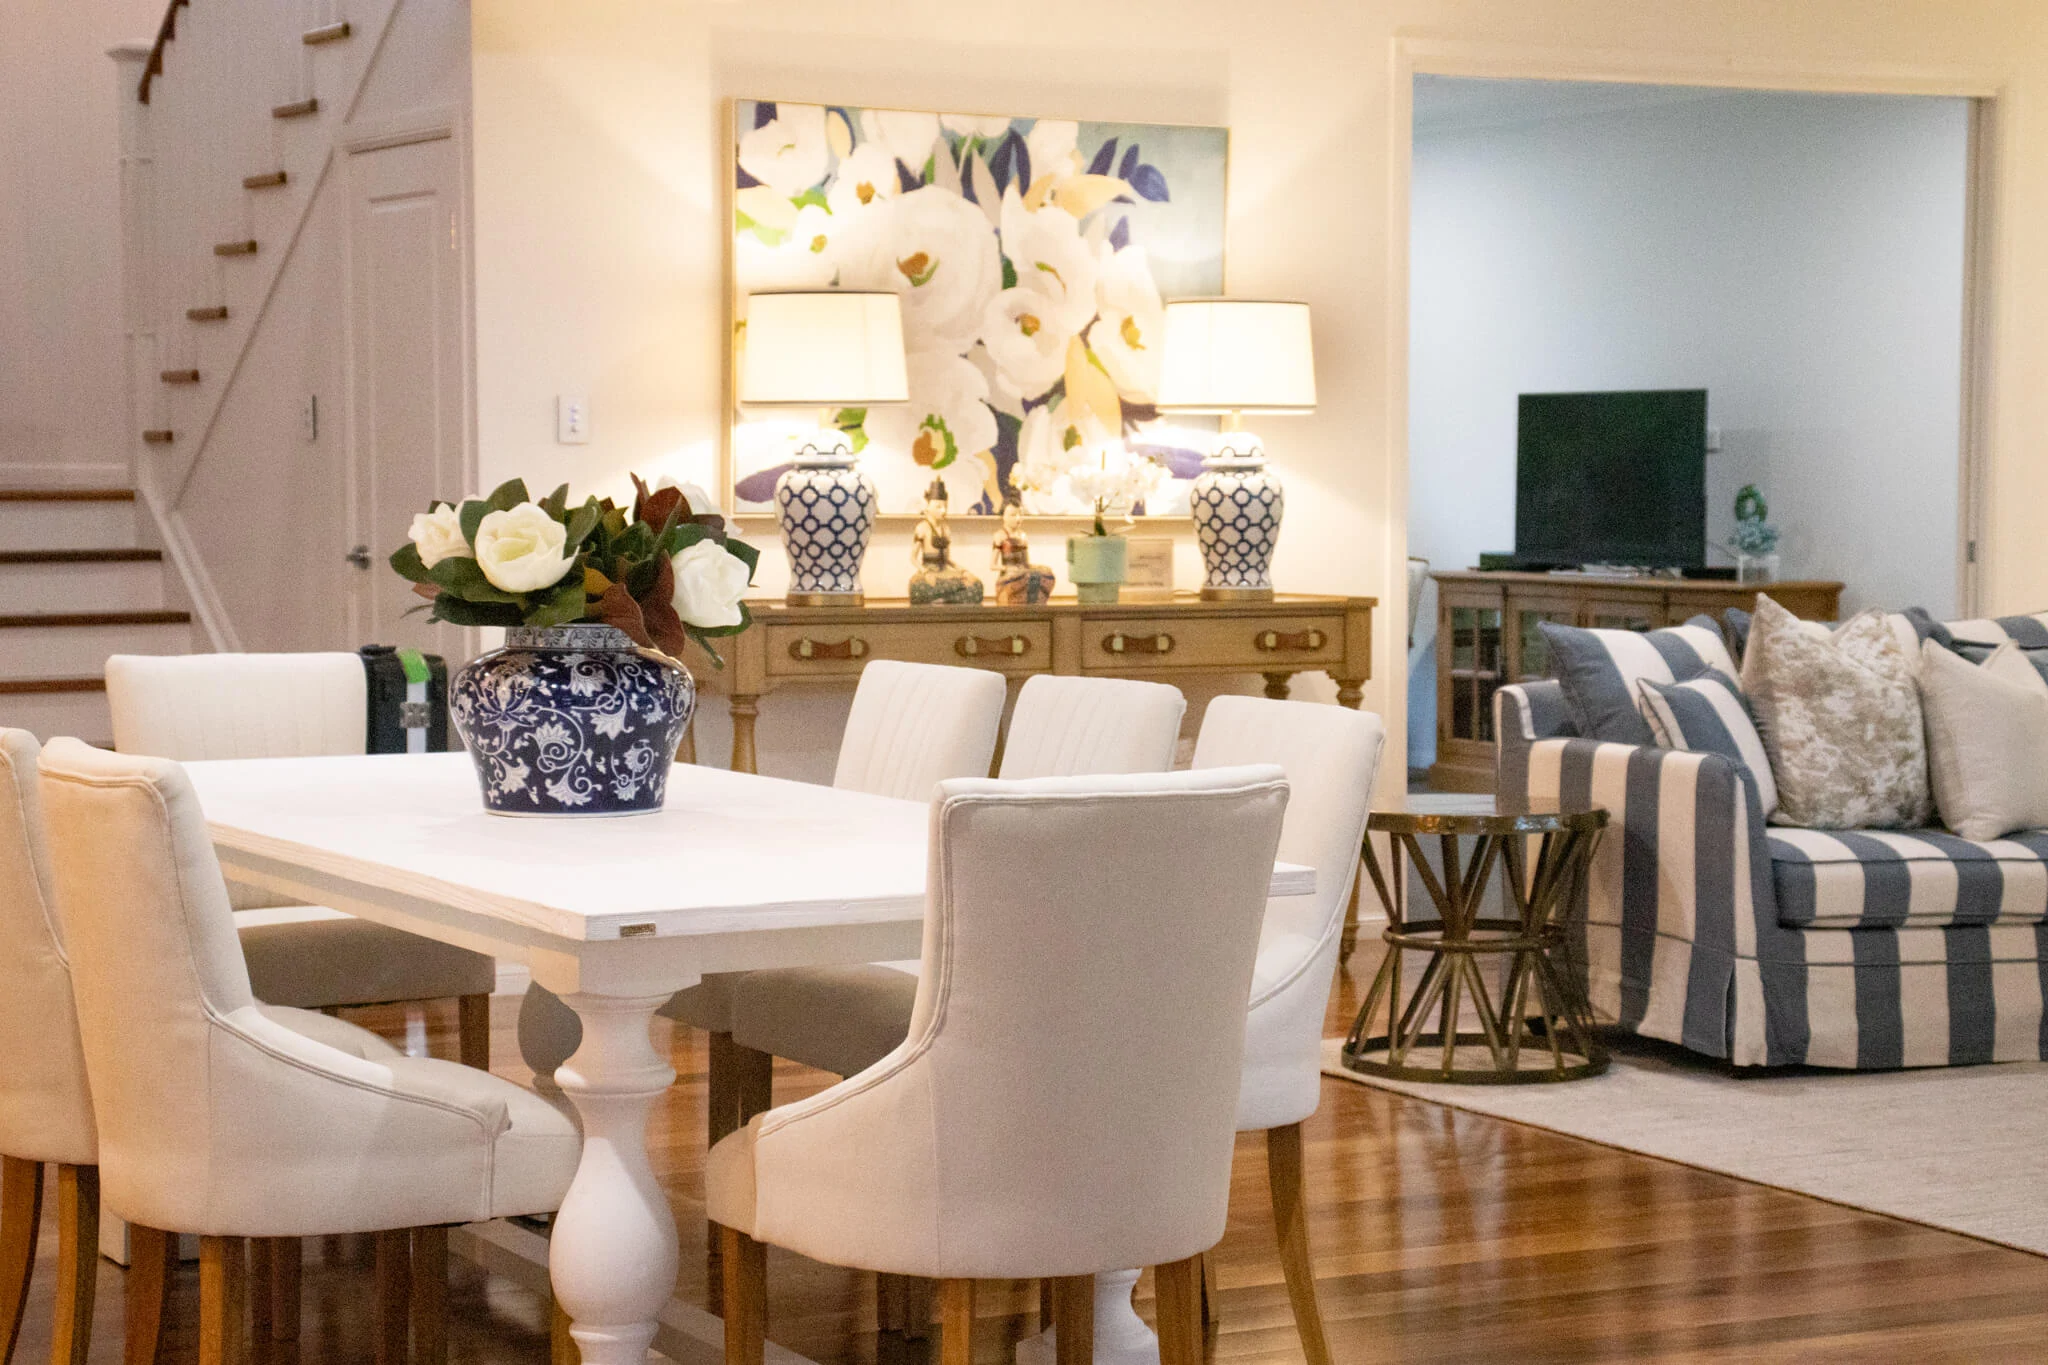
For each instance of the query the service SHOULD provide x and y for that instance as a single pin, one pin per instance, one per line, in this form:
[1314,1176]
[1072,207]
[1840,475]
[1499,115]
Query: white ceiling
[1450,104]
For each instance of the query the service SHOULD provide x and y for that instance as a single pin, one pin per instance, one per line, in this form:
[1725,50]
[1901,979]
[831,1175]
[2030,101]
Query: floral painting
[1033,257]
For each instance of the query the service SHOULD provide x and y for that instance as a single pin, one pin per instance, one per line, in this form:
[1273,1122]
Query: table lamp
[1233,356]
[826,350]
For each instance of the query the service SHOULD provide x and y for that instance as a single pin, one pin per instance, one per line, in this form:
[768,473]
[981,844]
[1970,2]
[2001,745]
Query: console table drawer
[1253,642]
[837,651]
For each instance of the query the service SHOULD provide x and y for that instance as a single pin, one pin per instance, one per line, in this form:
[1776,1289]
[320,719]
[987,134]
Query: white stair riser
[81,651]
[81,587]
[67,525]
[82,715]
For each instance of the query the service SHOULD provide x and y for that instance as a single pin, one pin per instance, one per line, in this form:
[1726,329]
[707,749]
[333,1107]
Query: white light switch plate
[572,420]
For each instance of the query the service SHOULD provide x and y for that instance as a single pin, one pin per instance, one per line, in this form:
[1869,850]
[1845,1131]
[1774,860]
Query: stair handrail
[165,31]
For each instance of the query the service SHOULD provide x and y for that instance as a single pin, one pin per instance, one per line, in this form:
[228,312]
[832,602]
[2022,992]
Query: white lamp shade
[823,349]
[1237,355]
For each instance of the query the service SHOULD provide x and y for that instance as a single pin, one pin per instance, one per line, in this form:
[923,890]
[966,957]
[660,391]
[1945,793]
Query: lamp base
[824,599]
[1237,594]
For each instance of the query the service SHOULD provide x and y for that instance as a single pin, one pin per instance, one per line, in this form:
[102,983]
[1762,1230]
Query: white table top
[731,852]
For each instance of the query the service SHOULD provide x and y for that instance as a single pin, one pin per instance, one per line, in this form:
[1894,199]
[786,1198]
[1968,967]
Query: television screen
[1612,478]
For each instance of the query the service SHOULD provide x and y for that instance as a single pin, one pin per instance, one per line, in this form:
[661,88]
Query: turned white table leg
[613,1255]
[1121,1336]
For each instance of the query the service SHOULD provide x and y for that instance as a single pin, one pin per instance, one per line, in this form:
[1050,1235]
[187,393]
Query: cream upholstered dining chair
[215,1120]
[1331,756]
[911,726]
[1035,1124]
[46,1101]
[202,706]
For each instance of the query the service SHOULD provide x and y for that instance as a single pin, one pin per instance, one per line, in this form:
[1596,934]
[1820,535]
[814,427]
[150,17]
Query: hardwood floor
[1438,1236]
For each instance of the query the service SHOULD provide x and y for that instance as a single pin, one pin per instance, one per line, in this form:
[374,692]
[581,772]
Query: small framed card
[1148,569]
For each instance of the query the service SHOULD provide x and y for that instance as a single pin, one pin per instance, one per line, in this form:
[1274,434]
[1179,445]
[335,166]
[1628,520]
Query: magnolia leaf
[556,503]
[618,610]
[1091,390]
[658,606]
[595,584]
[456,611]
[559,605]
[509,495]
[406,560]
[582,522]
[745,554]
[430,591]
[464,578]
[471,515]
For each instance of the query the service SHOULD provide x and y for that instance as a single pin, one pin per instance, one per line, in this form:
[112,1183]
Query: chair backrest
[199,706]
[1065,1100]
[153,950]
[1069,727]
[45,1103]
[914,725]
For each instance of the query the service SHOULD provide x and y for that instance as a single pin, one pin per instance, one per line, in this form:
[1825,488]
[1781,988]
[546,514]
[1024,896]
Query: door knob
[359,556]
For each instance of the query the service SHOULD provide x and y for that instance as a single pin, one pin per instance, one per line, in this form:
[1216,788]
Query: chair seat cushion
[312,957]
[1888,878]
[838,1019]
[706,1005]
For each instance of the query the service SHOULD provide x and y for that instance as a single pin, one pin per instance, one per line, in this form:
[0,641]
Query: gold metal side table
[1541,1029]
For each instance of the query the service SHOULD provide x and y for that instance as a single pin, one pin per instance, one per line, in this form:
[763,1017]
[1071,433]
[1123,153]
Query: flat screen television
[1612,478]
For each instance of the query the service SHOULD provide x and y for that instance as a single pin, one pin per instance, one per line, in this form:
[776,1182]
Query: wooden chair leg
[1212,1292]
[223,1301]
[21,1226]
[956,1322]
[562,1348]
[394,1296]
[1048,1308]
[152,1257]
[888,1302]
[741,1085]
[78,1262]
[1179,1289]
[746,1298]
[1073,1313]
[430,1296]
[473,1029]
[262,1291]
[287,1260]
[1290,1220]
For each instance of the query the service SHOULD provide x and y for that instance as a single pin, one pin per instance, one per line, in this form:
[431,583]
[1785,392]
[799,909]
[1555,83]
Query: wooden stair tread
[34,620]
[21,687]
[67,495]
[326,33]
[266,181]
[295,109]
[245,247]
[217,313]
[118,556]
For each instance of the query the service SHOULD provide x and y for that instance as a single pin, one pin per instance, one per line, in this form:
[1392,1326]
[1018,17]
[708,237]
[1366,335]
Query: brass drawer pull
[807,648]
[972,646]
[1121,643]
[1272,641]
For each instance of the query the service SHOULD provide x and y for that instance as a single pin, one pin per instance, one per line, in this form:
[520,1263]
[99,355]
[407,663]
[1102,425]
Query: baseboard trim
[63,475]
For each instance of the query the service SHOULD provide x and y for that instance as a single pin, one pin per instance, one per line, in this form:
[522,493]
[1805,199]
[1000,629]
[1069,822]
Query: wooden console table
[1293,633]
[1488,633]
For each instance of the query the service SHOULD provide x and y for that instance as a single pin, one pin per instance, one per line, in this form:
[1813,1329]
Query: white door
[408,381]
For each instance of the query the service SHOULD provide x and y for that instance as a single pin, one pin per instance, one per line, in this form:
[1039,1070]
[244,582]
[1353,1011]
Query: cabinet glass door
[1475,672]
[1624,613]
[1529,653]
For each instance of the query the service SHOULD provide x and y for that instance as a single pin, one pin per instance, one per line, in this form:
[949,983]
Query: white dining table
[736,872]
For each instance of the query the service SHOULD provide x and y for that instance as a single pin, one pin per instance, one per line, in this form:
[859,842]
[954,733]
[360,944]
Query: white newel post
[613,1256]
[137,262]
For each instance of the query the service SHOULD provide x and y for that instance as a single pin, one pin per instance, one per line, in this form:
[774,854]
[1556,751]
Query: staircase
[75,588]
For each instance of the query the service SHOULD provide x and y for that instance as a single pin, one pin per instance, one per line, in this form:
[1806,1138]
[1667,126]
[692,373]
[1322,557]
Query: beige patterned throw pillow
[1840,718]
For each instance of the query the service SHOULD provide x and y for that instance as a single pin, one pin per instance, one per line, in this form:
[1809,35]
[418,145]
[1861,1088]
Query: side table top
[1460,813]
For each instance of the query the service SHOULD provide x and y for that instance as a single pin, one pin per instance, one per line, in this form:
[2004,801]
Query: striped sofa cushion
[1708,714]
[1889,878]
[1598,670]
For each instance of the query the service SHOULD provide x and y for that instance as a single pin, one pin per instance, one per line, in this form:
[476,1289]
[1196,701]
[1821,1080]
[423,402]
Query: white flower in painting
[982,126]
[905,136]
[1027,341]
[865,177]
[1130,331]
[808,256]
[1051,143]
[946,419]
[437,535]
[1046,250]
[939,253]
[787,153]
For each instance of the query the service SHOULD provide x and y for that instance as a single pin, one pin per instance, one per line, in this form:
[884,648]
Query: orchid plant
[665,572]
[1112,478]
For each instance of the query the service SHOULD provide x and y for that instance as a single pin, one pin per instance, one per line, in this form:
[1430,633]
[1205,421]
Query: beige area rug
[1963,1148]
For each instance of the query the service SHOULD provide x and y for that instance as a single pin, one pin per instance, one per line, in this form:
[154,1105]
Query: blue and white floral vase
[572,720]
[827,510]
[1237,504]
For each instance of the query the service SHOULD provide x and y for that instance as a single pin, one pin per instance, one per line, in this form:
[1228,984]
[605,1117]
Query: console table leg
[1350,692]
[1277,685]
[744,709]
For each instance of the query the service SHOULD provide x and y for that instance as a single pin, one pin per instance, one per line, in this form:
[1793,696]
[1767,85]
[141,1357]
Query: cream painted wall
[599,156]
[61,377]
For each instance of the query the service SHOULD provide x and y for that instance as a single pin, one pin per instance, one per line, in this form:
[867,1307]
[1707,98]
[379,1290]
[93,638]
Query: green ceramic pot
[1096,564]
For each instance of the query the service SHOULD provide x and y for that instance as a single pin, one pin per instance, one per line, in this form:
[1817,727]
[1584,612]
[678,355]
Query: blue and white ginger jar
[572,720]
[826,507]
[1237,505]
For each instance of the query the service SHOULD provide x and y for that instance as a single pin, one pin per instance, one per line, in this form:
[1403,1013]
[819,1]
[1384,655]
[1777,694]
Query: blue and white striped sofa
[1768,946]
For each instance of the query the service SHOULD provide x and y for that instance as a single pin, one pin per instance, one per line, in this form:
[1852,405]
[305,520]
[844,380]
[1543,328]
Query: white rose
[521,550]
[437,535]
[710,581]
[788,153]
